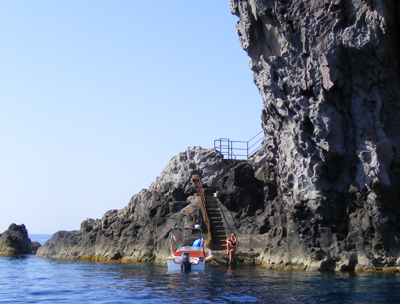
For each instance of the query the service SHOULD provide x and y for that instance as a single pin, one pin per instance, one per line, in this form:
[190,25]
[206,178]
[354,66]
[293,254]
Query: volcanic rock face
[323,192]
[240,191]
[15,240]
[140,231]
[328,72]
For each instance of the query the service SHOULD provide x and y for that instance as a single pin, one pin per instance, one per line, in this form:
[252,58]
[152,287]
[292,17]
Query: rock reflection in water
[36,280]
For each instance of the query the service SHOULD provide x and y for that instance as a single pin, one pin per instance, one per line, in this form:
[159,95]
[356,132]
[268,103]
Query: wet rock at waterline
[15,240]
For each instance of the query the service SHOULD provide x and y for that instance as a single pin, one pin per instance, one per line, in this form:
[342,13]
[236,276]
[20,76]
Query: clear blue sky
[97,96]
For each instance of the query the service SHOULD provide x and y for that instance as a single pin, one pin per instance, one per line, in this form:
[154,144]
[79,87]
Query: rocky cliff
[322,193]
[328,72]
[140,231]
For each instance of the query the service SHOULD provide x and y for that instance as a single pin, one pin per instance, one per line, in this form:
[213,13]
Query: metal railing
[232,230]
[199,191]
[234,149]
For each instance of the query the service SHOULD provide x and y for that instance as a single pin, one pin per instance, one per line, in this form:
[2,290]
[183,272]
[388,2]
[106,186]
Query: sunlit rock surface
[140,231]
[15,240]
[323,191]
[329,77]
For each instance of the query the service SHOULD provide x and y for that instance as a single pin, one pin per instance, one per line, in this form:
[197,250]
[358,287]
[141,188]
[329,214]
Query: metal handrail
[228,147]
[226,221]
[199,190]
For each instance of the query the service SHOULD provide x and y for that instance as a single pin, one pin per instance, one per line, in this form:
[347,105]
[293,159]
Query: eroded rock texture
[323,191]
[140,231]
[328,72]
[15,240]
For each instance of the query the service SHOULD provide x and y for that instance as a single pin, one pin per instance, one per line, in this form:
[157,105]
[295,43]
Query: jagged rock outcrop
[323,192]
[328,72]
[15,240]
[140,231]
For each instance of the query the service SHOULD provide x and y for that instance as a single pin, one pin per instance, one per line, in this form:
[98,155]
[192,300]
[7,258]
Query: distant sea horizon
[40,238]
[30,279]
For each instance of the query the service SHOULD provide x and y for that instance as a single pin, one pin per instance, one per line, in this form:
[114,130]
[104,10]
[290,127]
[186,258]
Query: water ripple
[28,279]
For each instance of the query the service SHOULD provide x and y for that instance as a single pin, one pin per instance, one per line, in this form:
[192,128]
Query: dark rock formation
[35,247]
[240,191]
[140,231]
[328,72]
[323,192]
[15,240]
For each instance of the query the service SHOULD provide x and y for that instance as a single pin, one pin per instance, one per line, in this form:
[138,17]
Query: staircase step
[216,224]
[219,241]
[223,246]
[218,228]
[214,212]
[219,233]
[215,219]
[212,208]
[218,237]
[218,247]
[220,244]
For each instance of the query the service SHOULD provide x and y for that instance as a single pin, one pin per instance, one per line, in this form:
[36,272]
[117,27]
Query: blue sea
[29,279]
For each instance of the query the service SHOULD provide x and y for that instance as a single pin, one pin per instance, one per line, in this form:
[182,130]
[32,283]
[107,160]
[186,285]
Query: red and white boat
[191,254]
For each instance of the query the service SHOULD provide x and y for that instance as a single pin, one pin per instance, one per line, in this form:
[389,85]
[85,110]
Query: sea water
[29,279]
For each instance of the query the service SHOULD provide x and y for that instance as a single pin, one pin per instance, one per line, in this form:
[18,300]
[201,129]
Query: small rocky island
[15,240]
[323,191]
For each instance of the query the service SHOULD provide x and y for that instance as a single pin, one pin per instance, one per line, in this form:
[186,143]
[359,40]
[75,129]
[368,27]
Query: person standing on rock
[231,246]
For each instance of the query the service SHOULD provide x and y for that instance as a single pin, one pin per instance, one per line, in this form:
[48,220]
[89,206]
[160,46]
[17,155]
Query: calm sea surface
[28,279]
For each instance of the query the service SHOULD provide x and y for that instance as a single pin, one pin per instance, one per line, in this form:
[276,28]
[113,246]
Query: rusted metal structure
[199,191]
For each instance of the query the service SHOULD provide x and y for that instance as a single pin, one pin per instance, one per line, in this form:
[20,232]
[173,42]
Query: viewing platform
[235,149]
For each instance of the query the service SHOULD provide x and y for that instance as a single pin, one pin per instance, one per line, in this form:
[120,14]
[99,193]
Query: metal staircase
[212,217]
[218,232]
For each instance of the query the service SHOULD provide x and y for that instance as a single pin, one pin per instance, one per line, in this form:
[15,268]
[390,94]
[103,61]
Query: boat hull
[177,266]
[198,259]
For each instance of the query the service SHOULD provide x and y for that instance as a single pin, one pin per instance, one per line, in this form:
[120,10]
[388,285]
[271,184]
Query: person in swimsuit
[231,246]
